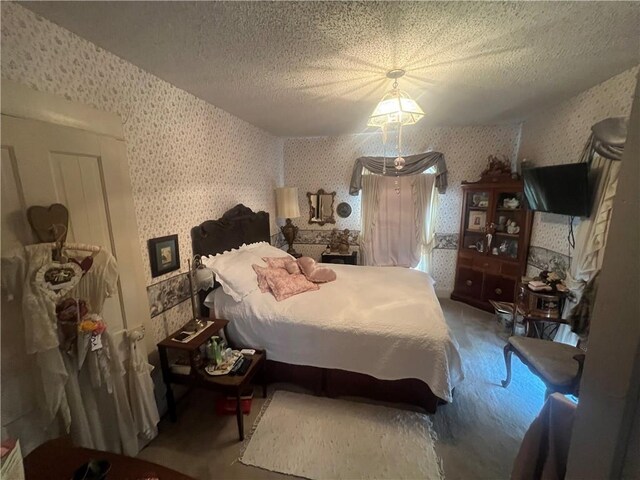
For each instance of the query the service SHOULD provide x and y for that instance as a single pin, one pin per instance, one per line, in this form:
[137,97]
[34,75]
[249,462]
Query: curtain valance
[608,138]
[413,164]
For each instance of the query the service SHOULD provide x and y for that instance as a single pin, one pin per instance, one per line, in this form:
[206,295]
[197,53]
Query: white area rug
[322,438]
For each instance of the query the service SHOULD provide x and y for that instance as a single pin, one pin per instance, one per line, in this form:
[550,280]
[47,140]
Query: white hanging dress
[84,387]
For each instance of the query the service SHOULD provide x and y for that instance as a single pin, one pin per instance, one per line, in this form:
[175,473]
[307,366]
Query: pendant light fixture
[395,110]
[396,107]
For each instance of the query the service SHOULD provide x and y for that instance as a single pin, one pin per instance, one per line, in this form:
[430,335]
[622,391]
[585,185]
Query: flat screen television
[562,189]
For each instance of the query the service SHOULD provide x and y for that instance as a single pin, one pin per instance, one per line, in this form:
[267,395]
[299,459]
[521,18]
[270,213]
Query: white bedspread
[382,321]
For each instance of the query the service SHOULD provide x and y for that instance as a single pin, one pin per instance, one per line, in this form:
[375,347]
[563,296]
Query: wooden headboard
[238,225]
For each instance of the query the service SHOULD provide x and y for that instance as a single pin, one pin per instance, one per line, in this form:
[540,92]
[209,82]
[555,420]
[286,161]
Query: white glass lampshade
[287,205]
[396,107]
[203,278]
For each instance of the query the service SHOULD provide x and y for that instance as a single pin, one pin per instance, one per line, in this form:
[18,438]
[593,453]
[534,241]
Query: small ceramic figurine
[334,240]
[512,227]
[343,246]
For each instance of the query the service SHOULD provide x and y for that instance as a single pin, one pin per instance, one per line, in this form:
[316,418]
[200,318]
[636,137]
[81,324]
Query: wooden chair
[558,365]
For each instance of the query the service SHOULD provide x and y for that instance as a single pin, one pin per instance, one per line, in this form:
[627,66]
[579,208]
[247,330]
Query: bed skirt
[334,383]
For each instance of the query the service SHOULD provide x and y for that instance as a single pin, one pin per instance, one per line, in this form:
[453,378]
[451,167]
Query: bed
[377,332]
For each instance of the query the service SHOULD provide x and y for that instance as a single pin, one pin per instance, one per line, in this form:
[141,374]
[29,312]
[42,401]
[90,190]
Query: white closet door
[88,173]
[45,163]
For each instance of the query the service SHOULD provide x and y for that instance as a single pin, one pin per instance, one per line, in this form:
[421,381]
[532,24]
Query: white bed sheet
[382,321]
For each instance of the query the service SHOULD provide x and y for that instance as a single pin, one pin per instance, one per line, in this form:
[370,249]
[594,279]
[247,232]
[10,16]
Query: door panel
[78,183]
[15,229]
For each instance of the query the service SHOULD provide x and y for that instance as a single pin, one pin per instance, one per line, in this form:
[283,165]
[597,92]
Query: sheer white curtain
[398,227]
[591,238]
[426,195]
[369,210]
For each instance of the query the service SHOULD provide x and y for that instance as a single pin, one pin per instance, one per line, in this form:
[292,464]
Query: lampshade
[203,278]
[287,205]
[396,107]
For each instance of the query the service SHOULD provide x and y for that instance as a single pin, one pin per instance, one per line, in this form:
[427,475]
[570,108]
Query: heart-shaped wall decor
[42,219]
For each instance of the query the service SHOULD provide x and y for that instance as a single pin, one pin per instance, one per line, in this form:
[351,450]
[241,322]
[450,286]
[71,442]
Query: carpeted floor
[478,434]
[332,438]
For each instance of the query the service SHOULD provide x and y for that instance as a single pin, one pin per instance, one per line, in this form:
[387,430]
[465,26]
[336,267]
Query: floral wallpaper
[558,135]
[189,161]
[327,162]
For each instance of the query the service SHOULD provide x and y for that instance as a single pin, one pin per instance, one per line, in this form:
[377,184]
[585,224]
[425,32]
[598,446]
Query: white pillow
[234,272]
[263,249]
[209,300]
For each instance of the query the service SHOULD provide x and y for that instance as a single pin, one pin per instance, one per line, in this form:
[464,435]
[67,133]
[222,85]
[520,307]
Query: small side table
[226,384]
[542,306]
[344,258]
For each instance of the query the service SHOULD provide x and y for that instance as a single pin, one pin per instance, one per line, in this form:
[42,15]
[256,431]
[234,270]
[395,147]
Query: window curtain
[398,227]
[603,150]
[369,210]
[426,195]
[591,240]
[415,164]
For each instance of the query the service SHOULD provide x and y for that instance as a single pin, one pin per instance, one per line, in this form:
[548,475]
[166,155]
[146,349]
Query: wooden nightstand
[226,384]
[345,258]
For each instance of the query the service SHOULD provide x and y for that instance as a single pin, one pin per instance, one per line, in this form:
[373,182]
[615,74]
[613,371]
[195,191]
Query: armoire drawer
[486,264]
[498,288]
[469,282]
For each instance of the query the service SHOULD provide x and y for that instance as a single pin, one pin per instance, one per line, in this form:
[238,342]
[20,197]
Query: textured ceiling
[317,68]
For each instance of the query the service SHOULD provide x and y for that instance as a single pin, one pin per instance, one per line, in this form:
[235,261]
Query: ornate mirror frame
[322,221]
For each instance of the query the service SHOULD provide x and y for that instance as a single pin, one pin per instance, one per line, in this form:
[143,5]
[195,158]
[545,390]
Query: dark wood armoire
[495,230]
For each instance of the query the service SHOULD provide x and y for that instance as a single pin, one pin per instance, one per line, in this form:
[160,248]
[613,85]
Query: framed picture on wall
[477,220]
[164,255]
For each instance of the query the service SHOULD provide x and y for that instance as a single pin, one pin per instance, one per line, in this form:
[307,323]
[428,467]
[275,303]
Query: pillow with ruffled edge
[263,249]
[234,273]
[290,285]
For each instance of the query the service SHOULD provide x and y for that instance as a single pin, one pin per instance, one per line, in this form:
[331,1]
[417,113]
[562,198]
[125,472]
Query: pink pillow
[285,287]
[265,272]
[313,272]
[278,262]
[293,268]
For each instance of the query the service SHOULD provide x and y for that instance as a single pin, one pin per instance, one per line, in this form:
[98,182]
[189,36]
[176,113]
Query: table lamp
[287,207]
[202,278]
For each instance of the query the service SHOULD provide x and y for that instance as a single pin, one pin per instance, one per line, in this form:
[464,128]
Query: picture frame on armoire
[164,255]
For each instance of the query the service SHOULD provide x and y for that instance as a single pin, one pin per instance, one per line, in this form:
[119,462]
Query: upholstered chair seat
[558,365]
[554,361]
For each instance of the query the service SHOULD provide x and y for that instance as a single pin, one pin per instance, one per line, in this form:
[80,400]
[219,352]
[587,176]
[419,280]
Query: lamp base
[195,325]
[290,231]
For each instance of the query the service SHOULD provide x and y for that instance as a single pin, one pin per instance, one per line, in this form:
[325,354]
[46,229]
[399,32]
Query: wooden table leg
[166,372]
[239,416]
[264,380]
